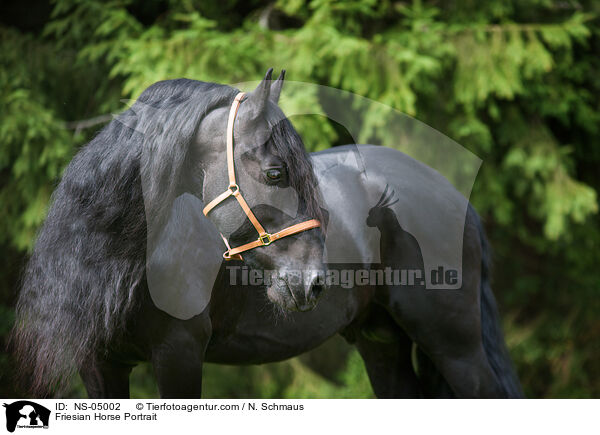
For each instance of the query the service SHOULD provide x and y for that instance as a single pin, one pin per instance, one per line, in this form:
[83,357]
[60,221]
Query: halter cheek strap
[264,238]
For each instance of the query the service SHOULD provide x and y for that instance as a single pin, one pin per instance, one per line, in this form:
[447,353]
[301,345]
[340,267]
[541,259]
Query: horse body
[455,330]
[242,327]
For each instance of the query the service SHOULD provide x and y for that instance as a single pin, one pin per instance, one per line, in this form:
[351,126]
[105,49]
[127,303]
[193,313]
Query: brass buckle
[265,239]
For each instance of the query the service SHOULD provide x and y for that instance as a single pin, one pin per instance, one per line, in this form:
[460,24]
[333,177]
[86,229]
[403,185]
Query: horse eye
[273,174]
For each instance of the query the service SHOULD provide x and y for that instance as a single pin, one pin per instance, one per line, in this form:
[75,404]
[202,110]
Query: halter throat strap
[264,238]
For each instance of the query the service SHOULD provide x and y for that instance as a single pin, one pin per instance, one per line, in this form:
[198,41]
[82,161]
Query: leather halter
[264,238]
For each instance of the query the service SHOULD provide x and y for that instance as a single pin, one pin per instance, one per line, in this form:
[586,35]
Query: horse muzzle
[297,291]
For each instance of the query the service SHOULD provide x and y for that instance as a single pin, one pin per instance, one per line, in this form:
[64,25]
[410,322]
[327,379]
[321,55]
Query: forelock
[290,148]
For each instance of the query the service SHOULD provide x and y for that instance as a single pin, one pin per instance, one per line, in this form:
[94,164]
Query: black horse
[86,302]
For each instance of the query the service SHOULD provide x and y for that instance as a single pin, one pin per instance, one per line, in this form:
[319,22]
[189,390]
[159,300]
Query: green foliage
[515,82]
[40,88]
[35,144]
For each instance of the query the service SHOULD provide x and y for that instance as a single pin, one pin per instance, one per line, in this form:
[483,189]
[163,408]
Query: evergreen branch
[87,123]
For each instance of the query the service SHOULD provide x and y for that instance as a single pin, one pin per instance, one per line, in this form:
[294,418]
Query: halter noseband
[264,238]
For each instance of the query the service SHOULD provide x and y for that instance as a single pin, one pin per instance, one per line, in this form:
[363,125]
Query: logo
[26,414]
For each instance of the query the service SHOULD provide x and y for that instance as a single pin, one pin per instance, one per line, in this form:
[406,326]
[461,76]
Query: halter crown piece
[264,238]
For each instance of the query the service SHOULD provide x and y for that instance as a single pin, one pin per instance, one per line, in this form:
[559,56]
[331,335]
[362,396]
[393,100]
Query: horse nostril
[316,290]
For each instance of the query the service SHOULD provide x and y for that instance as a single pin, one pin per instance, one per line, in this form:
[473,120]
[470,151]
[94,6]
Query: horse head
[248,165]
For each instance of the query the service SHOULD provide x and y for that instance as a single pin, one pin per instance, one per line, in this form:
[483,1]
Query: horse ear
[257,99]
[276,87]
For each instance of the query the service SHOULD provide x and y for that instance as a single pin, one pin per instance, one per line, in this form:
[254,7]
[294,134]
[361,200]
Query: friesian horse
[86,303]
